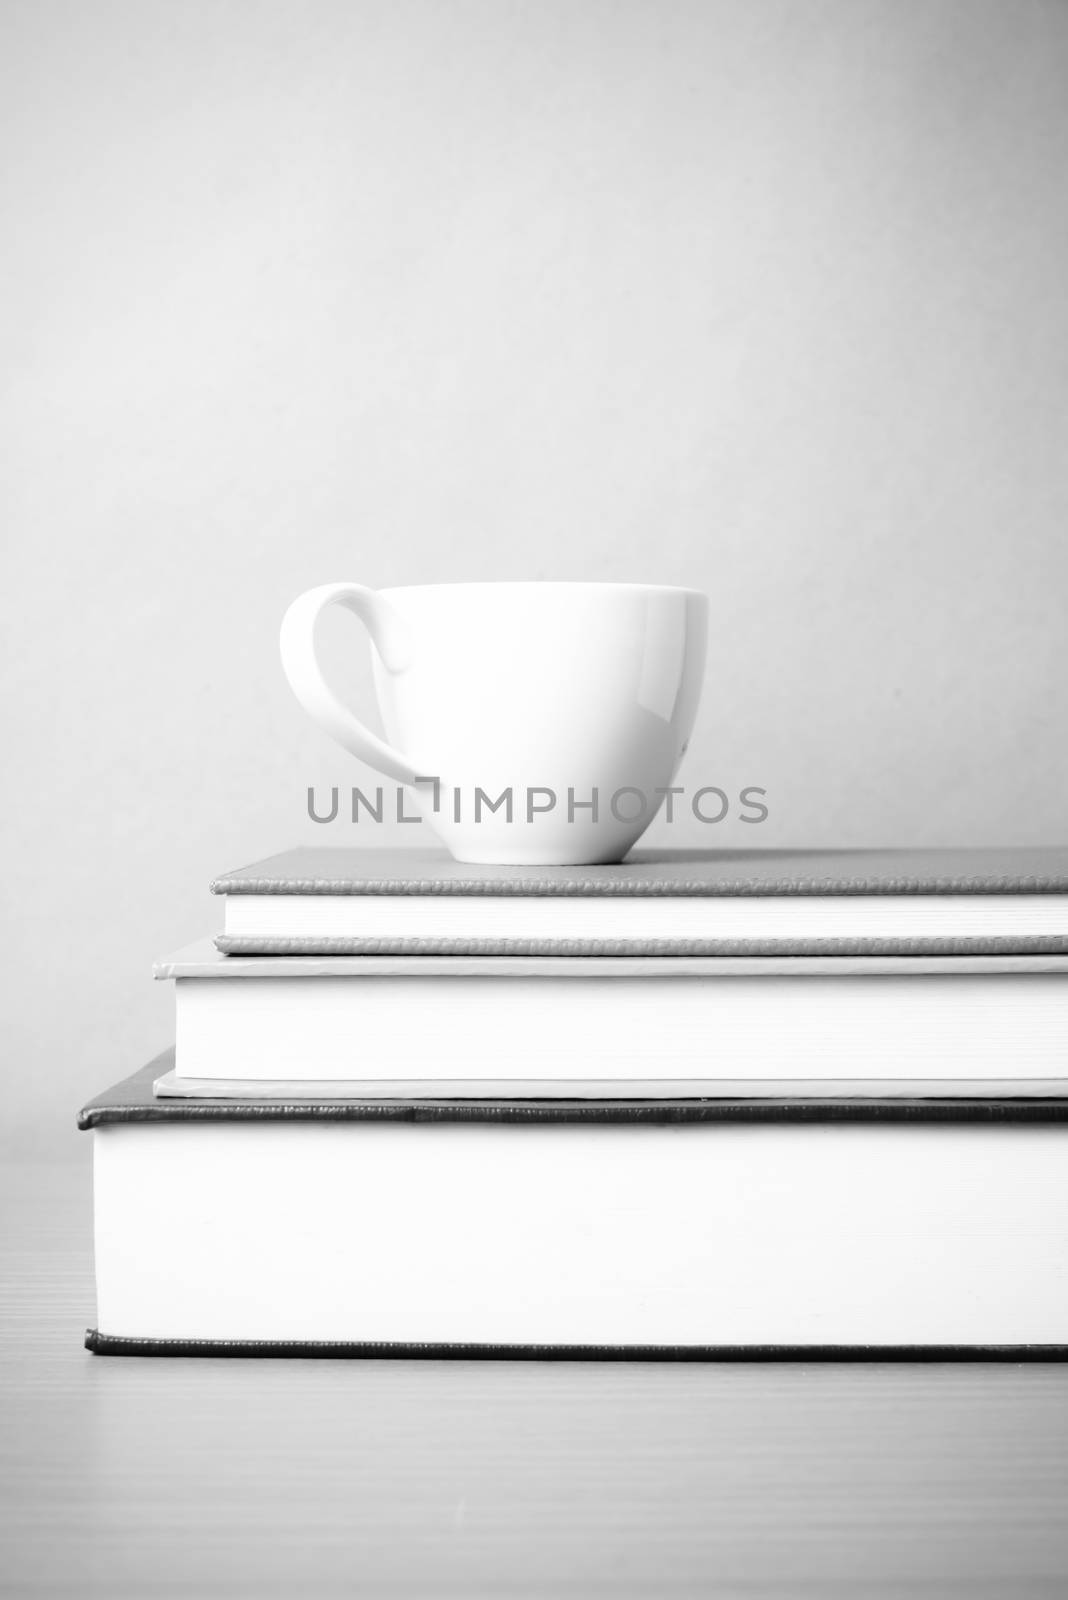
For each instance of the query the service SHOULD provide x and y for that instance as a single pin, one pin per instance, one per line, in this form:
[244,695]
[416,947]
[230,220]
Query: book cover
[666,1232]
[721,903]
[133,1099]
[339,871]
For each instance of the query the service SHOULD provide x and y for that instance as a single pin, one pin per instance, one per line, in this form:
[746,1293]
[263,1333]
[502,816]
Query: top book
[761,902]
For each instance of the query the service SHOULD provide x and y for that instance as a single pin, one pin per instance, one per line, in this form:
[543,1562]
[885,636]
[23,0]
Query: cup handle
[389,635]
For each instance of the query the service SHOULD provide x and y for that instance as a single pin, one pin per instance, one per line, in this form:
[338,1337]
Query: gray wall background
[766,298]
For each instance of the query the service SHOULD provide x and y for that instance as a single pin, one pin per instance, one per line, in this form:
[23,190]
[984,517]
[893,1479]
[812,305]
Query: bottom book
[629,1229]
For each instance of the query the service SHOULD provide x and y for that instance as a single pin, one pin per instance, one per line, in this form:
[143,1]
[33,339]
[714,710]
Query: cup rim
[545,583]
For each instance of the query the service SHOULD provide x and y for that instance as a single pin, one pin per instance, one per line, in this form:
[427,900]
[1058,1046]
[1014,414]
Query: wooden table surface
[149,1477]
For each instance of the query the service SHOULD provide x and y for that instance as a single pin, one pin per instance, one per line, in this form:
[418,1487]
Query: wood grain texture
[148,1477]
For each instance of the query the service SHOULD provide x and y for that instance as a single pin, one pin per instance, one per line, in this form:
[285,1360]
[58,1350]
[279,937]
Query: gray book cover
[202,959]
[760,903]
[339,871]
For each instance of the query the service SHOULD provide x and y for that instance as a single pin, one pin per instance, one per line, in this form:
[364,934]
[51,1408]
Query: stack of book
[689,1106]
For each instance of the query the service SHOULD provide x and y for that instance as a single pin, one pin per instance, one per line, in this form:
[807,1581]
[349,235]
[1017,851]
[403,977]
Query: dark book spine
[108,1344]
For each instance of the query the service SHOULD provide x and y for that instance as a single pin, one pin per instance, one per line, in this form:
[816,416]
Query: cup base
[536,858]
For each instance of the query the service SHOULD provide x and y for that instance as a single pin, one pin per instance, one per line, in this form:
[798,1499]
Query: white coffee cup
[540,719]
